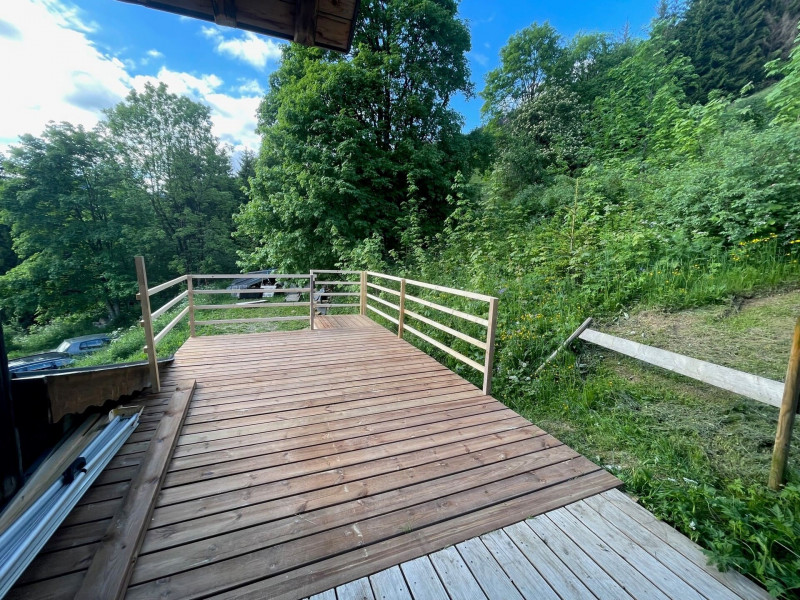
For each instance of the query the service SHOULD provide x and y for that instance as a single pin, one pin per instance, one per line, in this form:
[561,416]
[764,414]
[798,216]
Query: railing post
[789,406]
[488,364]
[363,305]
[402,315]
[147,323]
[311,299]
[190,296]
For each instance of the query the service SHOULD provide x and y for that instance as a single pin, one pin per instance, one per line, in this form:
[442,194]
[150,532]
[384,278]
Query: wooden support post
[190,295]
[112,564]
[564,344]
[401,317]
[363,303]
[147,323]
[491,330]
[789,406]
[311,300]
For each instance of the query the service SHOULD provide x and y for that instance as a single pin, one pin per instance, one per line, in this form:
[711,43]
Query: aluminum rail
[25,537]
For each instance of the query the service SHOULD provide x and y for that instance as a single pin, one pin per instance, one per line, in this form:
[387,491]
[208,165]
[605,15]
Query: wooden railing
[785,396]
[328,289]
[375,303]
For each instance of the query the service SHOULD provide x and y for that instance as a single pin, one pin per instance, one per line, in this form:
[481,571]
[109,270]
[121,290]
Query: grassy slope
[696,456]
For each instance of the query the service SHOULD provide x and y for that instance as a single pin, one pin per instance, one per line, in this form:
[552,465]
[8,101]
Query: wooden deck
[605,547]
[343,322]
[311,459]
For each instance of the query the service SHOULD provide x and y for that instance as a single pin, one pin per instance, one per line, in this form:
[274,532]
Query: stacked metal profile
[25,537]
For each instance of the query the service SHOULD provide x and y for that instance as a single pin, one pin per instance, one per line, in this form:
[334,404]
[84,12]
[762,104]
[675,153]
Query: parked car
[84,344]
[40,362]
[256,280]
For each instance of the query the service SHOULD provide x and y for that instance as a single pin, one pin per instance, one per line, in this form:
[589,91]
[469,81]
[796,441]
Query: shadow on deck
[312,459]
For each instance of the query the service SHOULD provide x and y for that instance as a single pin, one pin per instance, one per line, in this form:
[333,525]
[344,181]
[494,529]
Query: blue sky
[68,60]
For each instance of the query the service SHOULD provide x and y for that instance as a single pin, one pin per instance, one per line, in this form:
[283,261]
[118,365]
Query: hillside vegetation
[642,182]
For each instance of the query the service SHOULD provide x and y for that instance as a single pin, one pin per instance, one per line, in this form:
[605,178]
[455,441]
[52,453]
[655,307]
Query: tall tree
[345,139]
[530,57]
[729,42]
[174,161]
[72,232]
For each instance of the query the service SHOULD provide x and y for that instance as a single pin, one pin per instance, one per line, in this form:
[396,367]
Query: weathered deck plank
[312,459]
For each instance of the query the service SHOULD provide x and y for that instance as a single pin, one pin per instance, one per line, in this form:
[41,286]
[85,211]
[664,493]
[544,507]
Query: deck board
[534,557]
[312,459]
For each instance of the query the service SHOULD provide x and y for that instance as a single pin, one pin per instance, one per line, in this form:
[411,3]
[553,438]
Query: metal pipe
[25,537]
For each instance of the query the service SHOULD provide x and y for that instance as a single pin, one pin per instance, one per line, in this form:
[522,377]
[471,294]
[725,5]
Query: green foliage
[728,43]
[343,136]
[175,164]
[747,528]
[69,226]
[644,97]
[784,97]
[528,59]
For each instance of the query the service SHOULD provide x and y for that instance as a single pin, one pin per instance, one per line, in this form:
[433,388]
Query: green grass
[696,456]
[129,345]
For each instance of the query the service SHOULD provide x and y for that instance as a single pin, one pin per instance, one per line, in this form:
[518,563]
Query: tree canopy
[348,141]
[77,205]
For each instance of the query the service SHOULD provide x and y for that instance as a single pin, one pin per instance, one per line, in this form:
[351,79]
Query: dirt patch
[752,335]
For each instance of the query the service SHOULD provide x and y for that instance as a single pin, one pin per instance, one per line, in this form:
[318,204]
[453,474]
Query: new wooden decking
[605,547]
[311,459]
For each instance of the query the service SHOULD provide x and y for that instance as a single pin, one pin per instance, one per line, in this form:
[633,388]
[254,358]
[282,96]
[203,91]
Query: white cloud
[245,46]
[250,86]
[479,58]
[59,74]
[179,82]
[56,73]
[233,118]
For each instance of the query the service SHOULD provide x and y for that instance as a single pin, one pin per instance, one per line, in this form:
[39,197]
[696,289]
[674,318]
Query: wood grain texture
[308,460]
[751,386]
[112,564]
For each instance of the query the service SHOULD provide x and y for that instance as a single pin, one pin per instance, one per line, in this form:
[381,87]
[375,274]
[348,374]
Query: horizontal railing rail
[332,292]
[373,303]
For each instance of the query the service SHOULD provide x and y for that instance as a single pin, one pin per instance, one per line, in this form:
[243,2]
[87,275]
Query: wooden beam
[224,12]
[147,323]
[112,564]
[491,331]
[751,386]
[564,344]
[305,22]
[789,406]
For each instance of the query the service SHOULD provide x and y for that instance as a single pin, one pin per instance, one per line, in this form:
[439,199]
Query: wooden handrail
[166,284]
[446,349]
[448,290]
[261,305]
[446,329]
[252,276]
[170,304]
[490,323]
[375,286]
[258,289]
[147,322]
[389,318]
[162,334]
[384,276]
[363,307]
[449,311]
[253,320]
[384,302]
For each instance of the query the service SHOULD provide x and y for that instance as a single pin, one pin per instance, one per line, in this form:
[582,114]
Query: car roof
[250,280]
[37,357]
[84,338]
